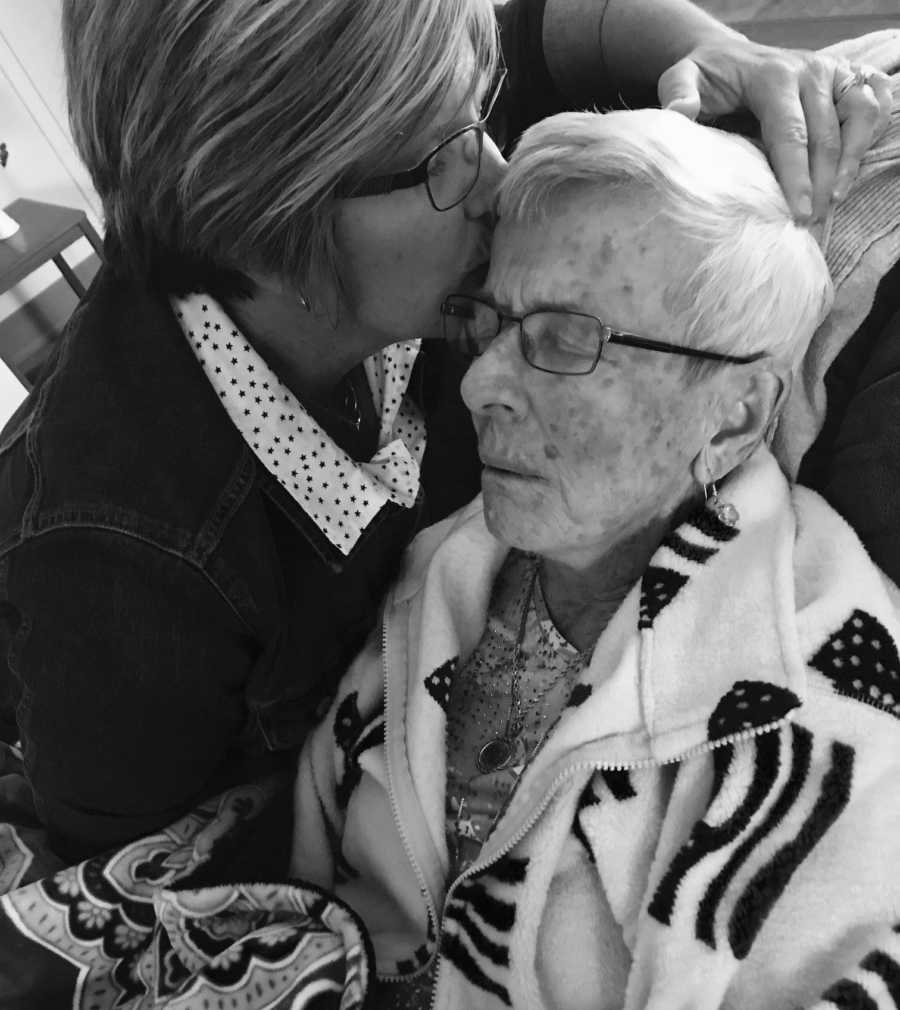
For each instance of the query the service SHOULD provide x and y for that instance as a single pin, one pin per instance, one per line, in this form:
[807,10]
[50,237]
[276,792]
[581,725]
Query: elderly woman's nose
[481,200]
[491,383]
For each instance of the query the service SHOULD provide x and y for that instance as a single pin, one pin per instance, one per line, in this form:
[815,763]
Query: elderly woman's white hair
[760,282]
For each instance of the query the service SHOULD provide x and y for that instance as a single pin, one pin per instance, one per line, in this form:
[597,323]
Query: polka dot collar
[339,494]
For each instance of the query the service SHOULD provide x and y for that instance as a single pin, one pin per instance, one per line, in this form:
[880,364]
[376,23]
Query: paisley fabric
[125,931]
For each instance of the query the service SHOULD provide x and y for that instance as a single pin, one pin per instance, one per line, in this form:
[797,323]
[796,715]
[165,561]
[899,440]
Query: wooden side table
[45,230]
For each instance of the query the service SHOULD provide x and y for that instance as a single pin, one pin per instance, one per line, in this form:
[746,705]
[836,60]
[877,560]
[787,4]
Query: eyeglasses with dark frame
[449,172]
[556,341]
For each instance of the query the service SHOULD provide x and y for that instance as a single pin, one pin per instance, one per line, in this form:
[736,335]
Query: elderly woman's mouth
[504,468]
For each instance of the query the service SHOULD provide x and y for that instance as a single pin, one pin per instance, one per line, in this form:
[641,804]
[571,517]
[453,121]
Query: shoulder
[462,534]
[855,678]
[848,614]
[123,431]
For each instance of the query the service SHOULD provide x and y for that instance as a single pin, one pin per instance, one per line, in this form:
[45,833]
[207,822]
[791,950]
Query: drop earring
[724,511]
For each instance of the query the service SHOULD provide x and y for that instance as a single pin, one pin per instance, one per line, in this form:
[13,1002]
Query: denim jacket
[171,621]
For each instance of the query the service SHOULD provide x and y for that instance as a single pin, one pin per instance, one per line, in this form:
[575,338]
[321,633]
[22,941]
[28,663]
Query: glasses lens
[453,168]
[469,324]
[562,342]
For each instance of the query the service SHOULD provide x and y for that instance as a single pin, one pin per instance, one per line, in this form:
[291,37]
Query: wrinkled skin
[589,469]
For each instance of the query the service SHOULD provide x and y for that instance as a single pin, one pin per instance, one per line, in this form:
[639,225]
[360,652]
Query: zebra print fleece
[713,823]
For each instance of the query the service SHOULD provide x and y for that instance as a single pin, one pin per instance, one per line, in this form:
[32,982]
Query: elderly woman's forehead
[584,234]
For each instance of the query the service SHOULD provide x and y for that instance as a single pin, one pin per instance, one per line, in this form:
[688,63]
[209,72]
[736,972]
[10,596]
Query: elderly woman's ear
[749,405]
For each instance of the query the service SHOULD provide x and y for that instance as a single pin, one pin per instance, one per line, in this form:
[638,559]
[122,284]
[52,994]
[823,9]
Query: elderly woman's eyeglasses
[449,172]
[565,343]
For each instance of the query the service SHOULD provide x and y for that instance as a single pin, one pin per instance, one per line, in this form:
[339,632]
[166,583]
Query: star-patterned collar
[340,495]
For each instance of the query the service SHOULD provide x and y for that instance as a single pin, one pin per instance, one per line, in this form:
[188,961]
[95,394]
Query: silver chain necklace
[500,750]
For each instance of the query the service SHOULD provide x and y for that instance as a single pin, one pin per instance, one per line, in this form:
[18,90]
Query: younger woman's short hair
[216,131]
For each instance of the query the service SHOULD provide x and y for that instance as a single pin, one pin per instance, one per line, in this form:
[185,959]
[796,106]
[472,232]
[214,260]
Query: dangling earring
[724,511]
[303,301]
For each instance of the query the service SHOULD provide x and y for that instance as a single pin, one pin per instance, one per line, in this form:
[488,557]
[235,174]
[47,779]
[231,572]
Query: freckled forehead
[610,255]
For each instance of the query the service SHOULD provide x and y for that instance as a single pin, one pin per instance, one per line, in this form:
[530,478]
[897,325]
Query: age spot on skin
[551,451]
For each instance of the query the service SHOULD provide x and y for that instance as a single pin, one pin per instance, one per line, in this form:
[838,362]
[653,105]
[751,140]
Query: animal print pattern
[860,659]
[661,584]
[781,765]
[478,920]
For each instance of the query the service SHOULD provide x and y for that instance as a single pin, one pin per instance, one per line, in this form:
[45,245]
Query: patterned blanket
[117,932]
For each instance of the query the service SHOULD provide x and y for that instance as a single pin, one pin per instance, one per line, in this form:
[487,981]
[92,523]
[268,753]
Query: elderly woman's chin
[518,514]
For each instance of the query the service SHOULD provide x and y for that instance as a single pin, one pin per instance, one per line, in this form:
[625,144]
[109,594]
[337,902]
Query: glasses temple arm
[632,340]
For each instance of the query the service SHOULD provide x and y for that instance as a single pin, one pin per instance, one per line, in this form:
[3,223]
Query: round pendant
[495,755]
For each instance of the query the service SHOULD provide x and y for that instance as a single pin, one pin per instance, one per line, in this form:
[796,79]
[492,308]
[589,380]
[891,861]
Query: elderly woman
[236,440]
[627,735]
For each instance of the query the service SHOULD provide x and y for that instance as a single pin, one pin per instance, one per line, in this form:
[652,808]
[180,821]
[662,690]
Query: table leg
[69,274]
[91,235]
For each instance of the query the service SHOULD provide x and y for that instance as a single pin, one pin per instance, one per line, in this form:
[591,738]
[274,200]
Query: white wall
[43,164]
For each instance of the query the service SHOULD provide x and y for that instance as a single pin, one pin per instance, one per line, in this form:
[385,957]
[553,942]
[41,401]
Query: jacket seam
[16,643]
[229,501]
[32,424]
[29,513]
[188,560]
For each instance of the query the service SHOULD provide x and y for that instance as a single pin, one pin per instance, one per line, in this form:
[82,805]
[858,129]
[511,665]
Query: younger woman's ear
[749,406]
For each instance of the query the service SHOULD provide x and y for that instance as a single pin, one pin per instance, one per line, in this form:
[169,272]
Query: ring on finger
[858,79]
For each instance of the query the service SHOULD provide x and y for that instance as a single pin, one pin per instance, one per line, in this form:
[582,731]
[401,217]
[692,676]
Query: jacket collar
[340,495]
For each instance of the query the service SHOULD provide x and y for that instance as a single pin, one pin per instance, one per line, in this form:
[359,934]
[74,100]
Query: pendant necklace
[499,752]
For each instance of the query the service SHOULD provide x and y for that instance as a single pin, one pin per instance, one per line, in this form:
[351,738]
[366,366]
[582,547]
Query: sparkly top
[480,705]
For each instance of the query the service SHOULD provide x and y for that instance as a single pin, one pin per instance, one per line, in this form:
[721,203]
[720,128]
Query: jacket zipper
[549,793]
[871,702]
[554,787]
[401,830]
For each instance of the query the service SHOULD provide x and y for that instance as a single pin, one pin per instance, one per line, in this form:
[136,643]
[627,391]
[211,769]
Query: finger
[824,134]
[860,113]
[881,87]
[783,128]
[679,88]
